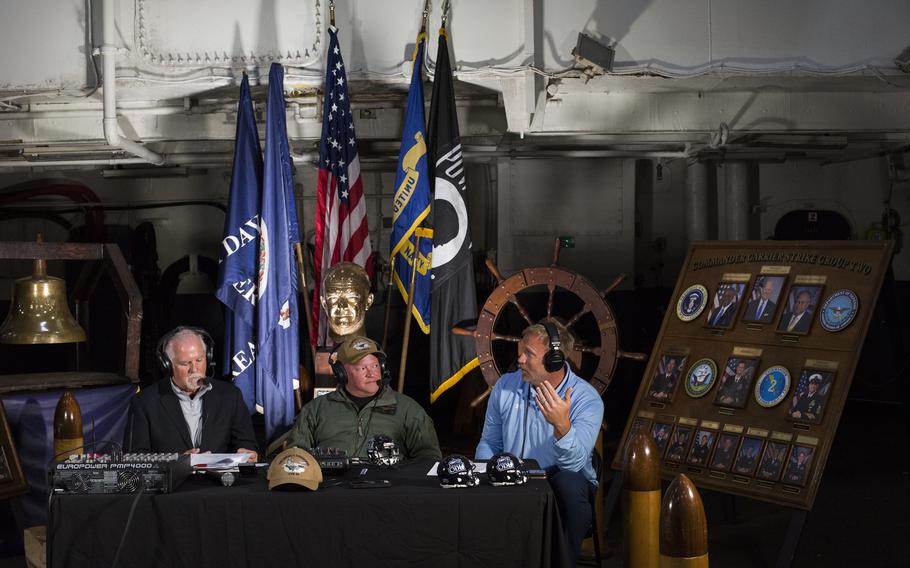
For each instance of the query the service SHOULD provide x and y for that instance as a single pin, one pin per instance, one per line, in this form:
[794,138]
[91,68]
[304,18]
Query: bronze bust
[345,298]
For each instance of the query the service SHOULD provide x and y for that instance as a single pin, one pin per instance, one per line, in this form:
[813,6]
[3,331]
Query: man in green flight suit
[362,408]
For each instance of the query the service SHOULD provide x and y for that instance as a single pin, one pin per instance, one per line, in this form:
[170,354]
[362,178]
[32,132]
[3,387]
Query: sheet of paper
[479,467]
[217,461]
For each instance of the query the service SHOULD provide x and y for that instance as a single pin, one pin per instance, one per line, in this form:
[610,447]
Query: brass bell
[39,313]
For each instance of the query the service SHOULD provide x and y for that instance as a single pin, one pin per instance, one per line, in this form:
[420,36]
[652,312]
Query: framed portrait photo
[735,383]
[725,304]
[12,479]
[763,299]
[661,435]
[679,443]
[808,401]
[701,447]
[798,465]
[799,309]
[747,457]
[724,452]
[666,377]
[772,461]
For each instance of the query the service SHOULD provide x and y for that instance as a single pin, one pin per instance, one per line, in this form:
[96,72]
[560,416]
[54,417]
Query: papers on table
[217,461]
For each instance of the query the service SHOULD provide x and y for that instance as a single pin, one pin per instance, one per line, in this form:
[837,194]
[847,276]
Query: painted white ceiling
[691,77]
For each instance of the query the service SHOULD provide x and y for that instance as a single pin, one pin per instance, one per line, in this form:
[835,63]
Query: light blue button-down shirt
[515,424]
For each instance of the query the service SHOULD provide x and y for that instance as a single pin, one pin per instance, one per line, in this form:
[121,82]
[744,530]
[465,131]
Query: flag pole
[418,233]
[445,13]
[407,315]
[332,13]
[306,296]
[427,6]
[301,269]
[388,302]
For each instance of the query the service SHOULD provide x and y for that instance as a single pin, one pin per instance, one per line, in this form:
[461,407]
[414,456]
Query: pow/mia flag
[454,298]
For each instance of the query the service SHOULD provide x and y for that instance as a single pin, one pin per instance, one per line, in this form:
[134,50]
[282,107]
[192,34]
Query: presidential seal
[772,386]
[839,310]
[692,302]
[701,377]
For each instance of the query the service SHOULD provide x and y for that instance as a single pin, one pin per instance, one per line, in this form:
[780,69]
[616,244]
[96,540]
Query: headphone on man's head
[341,375]
[554,359]
[164,362]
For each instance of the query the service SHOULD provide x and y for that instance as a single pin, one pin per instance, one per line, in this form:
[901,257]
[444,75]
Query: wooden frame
[12,479]
[854,269]
[99,257]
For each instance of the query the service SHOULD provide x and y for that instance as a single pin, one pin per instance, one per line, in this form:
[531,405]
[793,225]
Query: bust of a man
[345,298]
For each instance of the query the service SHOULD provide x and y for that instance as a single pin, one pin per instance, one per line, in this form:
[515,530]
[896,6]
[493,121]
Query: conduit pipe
[109,90]
[697,204]
[76,162]
[738,208]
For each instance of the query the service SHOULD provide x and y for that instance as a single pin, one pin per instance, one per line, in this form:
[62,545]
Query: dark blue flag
[278,347]
[412,199]
[237,265]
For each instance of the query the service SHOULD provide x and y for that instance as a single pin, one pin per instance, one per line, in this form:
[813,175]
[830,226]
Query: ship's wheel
[550,292]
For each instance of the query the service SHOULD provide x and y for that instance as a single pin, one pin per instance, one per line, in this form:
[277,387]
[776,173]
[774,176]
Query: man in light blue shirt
[552,417]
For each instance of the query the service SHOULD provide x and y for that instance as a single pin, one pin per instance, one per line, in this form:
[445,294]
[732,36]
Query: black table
[412,523]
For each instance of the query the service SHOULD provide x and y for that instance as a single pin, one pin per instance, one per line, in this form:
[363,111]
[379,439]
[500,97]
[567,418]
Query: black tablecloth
[412,523]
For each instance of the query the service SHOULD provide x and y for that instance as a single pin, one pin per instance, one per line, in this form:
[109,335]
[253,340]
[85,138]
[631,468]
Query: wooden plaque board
[819,355]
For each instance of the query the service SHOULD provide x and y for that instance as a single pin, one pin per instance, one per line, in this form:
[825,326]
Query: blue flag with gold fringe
[412,200]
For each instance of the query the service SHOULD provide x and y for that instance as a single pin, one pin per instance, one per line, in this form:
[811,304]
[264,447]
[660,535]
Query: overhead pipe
[469,153]
[212,160]
[56,163]
[109,90]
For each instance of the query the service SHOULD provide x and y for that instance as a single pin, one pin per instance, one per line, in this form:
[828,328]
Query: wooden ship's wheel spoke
[562,293]
[512,338]
[552,289]
[578,316]
[633,356]
[521,310]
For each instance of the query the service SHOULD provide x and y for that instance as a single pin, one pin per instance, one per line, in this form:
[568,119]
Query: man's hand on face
[555,410]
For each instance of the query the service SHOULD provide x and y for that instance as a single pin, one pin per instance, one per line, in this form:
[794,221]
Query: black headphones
[554,359]
[341,375]
[164,362]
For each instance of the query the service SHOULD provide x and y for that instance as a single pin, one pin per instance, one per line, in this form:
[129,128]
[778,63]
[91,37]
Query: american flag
[342,233]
